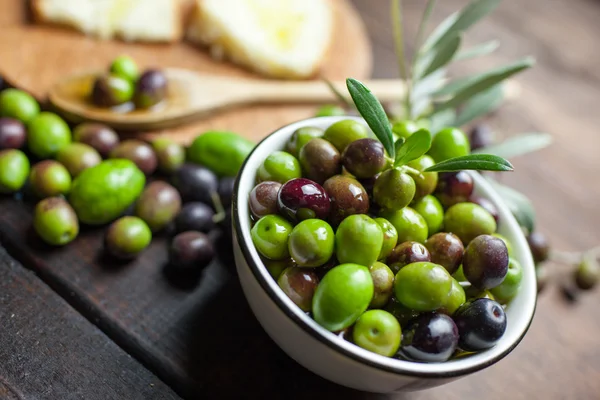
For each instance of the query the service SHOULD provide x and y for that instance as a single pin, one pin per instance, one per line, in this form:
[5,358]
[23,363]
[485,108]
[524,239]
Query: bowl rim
[399,367]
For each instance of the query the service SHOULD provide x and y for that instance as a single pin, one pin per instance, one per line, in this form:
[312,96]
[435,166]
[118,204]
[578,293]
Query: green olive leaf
[438,57]
[474,85]
[518,145]
[461,21]
[372,111]
[399,144]
[518,204]
[480,50]
[414,147]
[481,104]
[477,162]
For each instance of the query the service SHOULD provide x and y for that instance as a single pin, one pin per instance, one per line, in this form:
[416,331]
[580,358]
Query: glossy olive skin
[263,199]
[17,104]
[383,284]
[425,183]
[364,158]
[49,178]
[300,137]
[407,253]
[320,160]
[348,197]
[55,221]
[358,240]
[449,143]
[511,284]
[485,262]
[194,216]
[12,133]
[330,110]
[139,152]
[125,67]
[195,183]
[77,157]
[270,235]
[280,167]
[276,267]
[127,237]
[447,250]
[191,251]
[47,133]
[344,132]
[468,220]
[299,284]
[311,243]
[390,237]
[377,331]
[539,246]
[150,89]
[169,154]
[14,170]
[456,298]
[409,224]
[158,205]
[481,136]
[300,199]
[506,242]
[111,90]
[342,296]
[454,187]
[487,205]
[481,324]
[430,338]
[430,208]
[422,286]
[394,189]
[404,129]
[99,136]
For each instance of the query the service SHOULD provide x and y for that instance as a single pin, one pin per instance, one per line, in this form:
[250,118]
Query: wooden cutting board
[34,57]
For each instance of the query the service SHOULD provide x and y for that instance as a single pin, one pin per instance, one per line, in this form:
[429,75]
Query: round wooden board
[34,57]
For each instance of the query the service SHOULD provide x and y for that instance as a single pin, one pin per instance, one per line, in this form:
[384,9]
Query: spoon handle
[318,91]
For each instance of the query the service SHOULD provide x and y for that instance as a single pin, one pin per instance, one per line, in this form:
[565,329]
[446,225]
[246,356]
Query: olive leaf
[518,145]
[482,49]
[372,111]
[341,98]
[480,83]
[414,147]
[518,204]
[438,57]
[477,162]
[399,143]
[461,21]
[397,25]
[480,105]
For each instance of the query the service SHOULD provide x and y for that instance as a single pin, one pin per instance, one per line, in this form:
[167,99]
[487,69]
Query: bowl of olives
[375,277]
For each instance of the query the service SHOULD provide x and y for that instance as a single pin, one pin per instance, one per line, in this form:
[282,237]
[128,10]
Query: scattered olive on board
[127,237]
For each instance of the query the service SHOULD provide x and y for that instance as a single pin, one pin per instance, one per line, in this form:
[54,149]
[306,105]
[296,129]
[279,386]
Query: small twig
[216,200]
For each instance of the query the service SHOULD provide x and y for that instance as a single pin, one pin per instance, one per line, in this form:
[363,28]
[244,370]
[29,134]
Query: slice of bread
[131,20]
[277,38]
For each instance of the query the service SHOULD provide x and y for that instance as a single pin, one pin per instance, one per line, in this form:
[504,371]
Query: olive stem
[216,200]
[411,171]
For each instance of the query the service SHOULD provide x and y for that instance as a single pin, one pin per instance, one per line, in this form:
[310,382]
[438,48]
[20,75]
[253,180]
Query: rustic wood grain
[48,351]
[204,341]
[28,60]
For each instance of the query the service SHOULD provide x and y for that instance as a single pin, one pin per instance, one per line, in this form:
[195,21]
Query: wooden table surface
[49,351]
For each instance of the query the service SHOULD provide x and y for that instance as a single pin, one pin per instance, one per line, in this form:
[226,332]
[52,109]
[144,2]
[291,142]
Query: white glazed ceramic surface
[332,357]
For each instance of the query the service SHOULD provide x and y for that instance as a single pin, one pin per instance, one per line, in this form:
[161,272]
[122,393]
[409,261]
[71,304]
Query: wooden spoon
[192,95]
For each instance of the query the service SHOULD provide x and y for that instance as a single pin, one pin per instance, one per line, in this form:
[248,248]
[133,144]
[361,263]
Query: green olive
[456,298]
[14,170]
[423,286]
[47,133]
[311,243]
[377,331]
[330,110]
[404,129]
[383,284]
[280,167]
[18,104]
[300,137]
[394,189]
[55,221]
[49,178]
[127,237]
[270,235]
[426,182]
[409,224]
[77,157]
[358,240]
[125,67]
[344,132]
[432,211]
[449,143]
[342,296]
[469,220]
[390,237]
[511,283]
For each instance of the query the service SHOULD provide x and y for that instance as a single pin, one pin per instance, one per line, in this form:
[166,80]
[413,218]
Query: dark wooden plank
[49,351]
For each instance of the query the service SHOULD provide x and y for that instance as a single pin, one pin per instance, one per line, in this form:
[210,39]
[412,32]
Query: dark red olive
[151,89]
[454,187]
[190,251]
[407,253]
[485,262]
[364,158]
[12,134]
[481,136]
[301,199]
[538,244]
[446,249]
[347,197]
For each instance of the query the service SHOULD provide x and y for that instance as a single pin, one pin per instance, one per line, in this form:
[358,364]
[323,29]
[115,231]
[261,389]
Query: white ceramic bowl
[332,357]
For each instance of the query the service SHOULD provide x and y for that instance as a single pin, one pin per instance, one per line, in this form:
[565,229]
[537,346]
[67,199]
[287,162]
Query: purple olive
[301,198]
[364,158]
[485,262]
[454,187]
[139,152]
[407,253]
[447,250]
[150,89]
[263,199]
[99,136]
[12,134]
[429,338]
